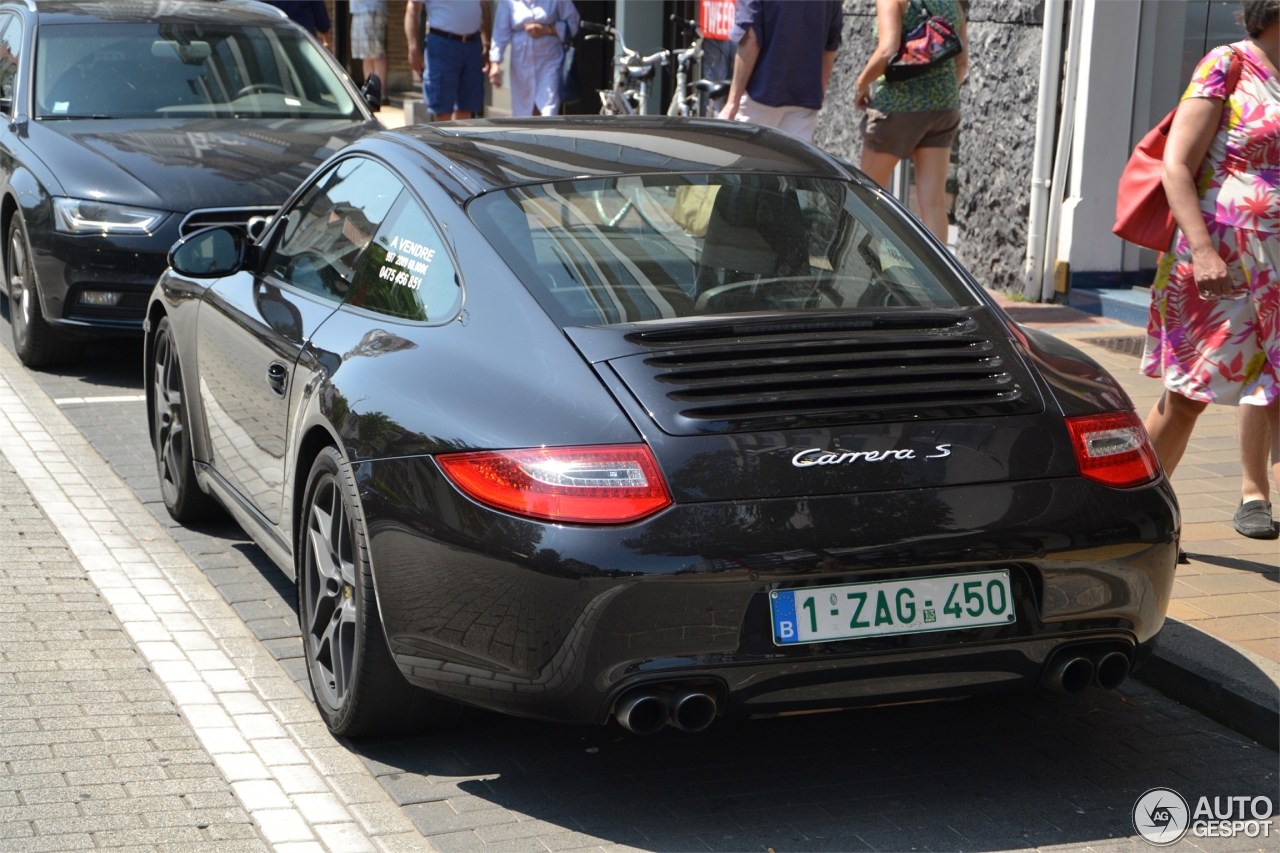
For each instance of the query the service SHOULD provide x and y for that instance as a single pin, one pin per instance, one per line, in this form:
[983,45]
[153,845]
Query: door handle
[277,377]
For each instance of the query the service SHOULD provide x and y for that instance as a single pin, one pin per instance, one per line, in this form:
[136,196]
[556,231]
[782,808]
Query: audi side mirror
[210,253]
[372,92]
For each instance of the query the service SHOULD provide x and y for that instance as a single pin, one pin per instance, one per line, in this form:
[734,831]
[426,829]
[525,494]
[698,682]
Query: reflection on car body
[704,373]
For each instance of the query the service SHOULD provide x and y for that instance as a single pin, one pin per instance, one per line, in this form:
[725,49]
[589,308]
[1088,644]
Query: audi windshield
[138,70]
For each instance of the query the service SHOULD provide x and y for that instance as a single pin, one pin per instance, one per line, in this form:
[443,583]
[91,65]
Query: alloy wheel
[330,605]
[19,294]
[170,431]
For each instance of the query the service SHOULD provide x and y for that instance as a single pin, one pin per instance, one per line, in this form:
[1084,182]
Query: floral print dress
[1227,350]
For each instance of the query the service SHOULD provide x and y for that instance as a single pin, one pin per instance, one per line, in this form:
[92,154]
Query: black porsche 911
[648,419]
[133,124]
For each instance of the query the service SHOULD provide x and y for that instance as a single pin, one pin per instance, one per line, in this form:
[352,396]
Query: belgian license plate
[824,613]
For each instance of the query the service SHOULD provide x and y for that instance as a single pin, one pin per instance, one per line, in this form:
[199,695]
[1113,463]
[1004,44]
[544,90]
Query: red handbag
[1142,210]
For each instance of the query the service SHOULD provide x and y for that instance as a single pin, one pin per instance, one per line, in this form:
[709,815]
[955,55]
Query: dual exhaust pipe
[646,710]
[1075,669]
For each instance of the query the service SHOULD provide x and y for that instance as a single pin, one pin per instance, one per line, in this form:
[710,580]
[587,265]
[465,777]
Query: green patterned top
[937,88]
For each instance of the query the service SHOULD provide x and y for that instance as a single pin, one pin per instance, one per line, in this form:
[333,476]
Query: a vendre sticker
[412,259]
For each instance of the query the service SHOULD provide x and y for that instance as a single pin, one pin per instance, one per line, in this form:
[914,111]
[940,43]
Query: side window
[407,273]
[10,49]
[330,226]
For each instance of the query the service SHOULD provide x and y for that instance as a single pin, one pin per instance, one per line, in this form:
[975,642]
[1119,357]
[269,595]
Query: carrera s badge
[818,456]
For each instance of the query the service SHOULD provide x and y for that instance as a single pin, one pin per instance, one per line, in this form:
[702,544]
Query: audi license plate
[820,614]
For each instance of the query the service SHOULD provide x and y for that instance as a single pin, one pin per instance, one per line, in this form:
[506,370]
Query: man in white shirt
[457,45]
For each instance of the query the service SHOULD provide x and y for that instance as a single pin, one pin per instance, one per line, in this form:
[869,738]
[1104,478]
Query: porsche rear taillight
[607,484]
[1113,449]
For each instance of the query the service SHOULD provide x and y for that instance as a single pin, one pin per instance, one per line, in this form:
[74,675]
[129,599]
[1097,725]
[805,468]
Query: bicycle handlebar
[690,26]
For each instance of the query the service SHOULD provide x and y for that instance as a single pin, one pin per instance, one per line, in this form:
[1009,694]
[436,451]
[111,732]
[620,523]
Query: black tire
[183,497]
[37,343]
[357,686]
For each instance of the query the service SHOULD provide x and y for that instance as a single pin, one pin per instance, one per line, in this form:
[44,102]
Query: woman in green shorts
[915,118]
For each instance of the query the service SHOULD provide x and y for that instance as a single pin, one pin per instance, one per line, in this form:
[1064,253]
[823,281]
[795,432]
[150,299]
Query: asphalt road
[1012,771]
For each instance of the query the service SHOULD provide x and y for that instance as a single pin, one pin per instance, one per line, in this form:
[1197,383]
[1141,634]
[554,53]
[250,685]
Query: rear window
[631,249]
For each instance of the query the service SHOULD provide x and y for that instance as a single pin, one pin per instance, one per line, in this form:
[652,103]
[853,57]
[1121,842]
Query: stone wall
[997,131]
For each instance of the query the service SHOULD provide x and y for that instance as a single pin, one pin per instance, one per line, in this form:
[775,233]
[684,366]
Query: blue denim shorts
[453,79]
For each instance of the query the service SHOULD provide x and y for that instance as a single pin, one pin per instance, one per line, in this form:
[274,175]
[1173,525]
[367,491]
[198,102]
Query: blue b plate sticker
[784,617]
[907,606]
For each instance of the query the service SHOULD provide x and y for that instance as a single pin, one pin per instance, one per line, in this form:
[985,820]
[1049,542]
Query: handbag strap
[923,5]
[1233,73]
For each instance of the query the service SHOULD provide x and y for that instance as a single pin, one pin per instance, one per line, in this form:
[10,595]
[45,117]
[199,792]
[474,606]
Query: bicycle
[632,73]
[692,99]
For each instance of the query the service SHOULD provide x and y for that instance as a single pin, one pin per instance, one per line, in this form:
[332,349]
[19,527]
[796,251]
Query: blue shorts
[453,80]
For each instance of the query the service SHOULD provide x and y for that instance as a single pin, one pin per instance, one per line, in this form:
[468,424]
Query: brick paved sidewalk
[302,790]
[93,754]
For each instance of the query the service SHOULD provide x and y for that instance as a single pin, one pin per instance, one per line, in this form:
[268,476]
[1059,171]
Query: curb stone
[1226,683]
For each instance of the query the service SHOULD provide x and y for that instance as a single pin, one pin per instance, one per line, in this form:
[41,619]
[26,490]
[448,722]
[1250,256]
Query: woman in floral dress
[1214,330]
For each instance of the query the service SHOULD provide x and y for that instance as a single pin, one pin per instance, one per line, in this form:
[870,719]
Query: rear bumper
[555,622]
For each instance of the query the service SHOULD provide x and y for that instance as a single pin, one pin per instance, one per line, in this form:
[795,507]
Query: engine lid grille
[789,373]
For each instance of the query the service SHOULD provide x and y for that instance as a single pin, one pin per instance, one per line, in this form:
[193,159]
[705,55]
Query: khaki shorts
[900,134]
[797,121]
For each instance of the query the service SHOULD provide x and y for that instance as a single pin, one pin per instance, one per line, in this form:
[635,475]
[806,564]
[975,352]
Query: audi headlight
[83,216]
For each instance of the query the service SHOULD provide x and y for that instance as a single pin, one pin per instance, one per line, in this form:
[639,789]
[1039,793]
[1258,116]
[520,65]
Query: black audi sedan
[128,125]
[652,420]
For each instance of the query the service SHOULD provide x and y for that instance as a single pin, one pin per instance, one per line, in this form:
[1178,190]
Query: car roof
[145,11]
[487,154]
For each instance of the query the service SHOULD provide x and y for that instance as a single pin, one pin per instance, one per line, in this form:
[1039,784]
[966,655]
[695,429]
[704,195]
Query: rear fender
[1078,384]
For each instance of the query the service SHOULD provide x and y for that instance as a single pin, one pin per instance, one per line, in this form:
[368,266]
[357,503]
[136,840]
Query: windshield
[184,70]
[626,250]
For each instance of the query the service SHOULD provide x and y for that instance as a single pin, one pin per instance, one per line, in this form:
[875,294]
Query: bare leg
[1170,423]
[1273,415]
[1259,431]
[879,167]
[931,188]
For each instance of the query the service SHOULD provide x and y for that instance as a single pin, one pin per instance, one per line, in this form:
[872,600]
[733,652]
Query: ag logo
[1161,816]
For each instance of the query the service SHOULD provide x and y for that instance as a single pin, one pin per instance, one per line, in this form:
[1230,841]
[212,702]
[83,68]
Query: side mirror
[210,253]
[372,92]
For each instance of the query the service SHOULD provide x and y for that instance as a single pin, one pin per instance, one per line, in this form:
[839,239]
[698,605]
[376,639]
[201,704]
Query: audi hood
[181,165]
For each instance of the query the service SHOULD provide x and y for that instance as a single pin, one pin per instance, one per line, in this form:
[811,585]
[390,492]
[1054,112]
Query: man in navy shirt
[786,50]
